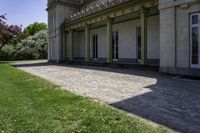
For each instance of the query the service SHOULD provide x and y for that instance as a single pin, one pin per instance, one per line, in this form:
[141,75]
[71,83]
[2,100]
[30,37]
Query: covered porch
[125,32]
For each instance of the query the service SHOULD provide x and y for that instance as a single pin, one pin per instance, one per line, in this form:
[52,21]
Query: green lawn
[30,104]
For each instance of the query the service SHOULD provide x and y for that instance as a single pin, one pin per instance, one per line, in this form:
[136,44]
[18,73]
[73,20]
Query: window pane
[195,19]
[195,45]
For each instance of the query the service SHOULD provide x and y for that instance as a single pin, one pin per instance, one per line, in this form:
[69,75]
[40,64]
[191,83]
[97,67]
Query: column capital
[69,29]
[109,19]
[144,10]
[87,25]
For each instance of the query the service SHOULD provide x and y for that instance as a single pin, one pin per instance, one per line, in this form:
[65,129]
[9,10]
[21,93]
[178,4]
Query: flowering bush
[33,47]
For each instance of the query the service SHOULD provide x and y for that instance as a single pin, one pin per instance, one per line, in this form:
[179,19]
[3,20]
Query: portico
[108,28]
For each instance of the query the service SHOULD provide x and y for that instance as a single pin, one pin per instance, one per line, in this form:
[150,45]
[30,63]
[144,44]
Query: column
[71,52]
[143,37]
[60,44]
[109,41]
[87,43]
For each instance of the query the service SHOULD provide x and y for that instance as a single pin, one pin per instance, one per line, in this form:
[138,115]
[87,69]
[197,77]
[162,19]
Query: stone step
[116,65]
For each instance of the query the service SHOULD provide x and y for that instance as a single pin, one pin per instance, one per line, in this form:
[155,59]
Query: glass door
[95,46]
[195,40]
[139,44]
[115,46]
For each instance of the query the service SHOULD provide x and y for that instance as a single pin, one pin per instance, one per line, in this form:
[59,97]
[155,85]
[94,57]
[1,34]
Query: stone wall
[175,35]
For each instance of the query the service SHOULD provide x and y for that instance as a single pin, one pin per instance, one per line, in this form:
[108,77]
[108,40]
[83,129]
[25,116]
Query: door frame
[191,41]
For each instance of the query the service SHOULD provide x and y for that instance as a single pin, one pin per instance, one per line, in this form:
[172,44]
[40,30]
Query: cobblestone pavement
[163,99]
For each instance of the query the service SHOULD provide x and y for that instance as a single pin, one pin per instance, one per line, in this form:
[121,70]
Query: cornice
[113,12]
[60,2]
[176,3]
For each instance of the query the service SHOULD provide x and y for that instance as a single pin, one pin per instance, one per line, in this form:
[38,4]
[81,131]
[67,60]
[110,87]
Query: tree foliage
[18,45]
[8,32]
[35,27]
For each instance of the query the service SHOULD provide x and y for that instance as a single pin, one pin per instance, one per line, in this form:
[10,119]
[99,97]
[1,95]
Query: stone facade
[175,36]
[146,32]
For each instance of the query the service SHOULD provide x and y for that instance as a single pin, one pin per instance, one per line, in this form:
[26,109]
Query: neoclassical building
[164,33]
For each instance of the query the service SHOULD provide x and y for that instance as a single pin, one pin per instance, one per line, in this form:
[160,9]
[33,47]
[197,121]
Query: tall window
[195,39]
[95,46]
[115,45]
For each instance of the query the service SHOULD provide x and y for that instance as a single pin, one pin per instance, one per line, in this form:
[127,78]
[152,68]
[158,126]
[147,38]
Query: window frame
[192,65]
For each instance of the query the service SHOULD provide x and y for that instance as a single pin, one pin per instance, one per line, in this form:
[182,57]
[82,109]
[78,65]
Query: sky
[24,12]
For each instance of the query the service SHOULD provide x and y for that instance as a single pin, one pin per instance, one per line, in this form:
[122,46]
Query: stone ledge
[59,2]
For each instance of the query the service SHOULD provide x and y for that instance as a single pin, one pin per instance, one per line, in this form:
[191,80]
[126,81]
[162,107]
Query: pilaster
[143,37]
[64,44]
[71,49]
[168,37]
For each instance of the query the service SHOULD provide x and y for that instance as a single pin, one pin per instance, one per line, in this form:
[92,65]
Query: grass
[30,104]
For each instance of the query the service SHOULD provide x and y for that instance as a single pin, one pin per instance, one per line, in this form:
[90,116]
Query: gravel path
[162,99]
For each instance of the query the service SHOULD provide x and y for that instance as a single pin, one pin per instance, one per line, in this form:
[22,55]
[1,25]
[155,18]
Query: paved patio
[163,99]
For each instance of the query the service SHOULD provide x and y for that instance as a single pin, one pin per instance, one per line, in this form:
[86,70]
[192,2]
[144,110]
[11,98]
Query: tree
[2,17]
[35,27]
[8,32]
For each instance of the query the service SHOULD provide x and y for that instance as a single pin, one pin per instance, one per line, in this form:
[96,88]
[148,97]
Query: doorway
[139,43]
[115,46]
[95,46]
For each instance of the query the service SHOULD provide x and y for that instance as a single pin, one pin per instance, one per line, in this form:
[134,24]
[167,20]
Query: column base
[55,61]
[60,61]
[51,61]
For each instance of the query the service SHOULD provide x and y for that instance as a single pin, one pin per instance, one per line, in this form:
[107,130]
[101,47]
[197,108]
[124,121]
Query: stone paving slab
[162,99]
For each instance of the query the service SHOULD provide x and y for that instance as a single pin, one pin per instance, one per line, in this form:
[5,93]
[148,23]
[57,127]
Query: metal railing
[94,8]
